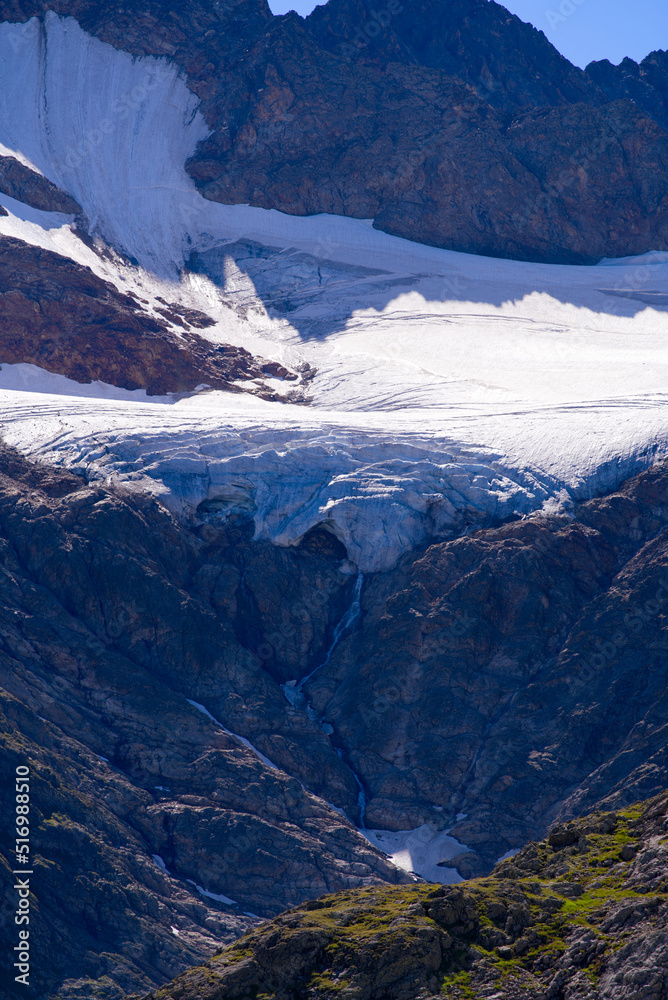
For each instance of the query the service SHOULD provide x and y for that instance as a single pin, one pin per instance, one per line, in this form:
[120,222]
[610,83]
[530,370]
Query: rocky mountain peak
[645,83]
[508,62]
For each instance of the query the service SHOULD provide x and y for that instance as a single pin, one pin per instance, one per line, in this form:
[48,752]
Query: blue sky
[582,30]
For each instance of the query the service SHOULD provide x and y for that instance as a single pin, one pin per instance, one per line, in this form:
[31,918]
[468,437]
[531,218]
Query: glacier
[448,391]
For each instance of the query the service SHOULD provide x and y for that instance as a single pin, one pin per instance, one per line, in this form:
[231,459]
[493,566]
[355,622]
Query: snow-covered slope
[87,117]
[448,389]
[384,483]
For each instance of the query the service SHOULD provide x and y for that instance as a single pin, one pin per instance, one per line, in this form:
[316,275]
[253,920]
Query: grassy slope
[551,922]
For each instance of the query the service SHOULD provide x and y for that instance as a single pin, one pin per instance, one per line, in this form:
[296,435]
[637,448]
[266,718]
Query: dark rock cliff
[111,617]
[24,184]
[511,675]
[60,316]
[645,83]
[517,675]
[453,124]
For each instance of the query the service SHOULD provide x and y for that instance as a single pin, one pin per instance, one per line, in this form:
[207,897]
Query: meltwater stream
[296,697]
[293,689]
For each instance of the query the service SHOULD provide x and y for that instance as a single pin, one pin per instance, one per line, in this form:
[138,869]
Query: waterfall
[361,798]
[295,696]
[293,689]
[347,622]
[361,794]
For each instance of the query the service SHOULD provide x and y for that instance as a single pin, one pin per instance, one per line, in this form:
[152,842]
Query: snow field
[450,391]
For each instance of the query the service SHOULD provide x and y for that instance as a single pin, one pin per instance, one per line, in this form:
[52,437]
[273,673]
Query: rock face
[491,684]
[148,819]
[514,674]
[58,315]
[452,124]
[645,83]
[583,914]
[24,184]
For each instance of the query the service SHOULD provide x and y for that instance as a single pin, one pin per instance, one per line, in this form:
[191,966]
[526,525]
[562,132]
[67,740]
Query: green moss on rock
[552,922]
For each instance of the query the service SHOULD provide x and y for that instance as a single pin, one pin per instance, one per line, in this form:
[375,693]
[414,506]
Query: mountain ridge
[398,138]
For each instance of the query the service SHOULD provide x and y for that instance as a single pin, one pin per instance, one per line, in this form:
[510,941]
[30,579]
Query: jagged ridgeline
[583,914]
[467,129]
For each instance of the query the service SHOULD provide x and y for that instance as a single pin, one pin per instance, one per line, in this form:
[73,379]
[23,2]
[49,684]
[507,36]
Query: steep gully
[293,690]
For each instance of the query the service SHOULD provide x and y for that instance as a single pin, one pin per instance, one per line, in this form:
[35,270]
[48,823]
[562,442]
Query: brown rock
[60,316]
[24,184]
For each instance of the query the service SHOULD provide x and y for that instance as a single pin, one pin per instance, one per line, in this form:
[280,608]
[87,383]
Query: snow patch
[337,809]
[108,129]
[30,378]
[241,739]
[213,895]
[508,855]
[157,860]
[421,851]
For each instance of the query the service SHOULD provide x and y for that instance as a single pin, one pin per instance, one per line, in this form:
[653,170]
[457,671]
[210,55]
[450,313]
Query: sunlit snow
[450,390]
[422,851]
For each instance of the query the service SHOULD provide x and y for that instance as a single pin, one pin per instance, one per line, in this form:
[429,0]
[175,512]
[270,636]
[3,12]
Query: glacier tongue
[380,486]
[447,392]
